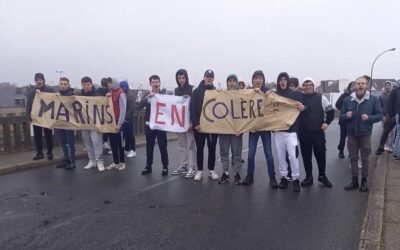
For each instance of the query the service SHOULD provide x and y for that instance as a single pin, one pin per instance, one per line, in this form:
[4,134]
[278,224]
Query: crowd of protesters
[359,110]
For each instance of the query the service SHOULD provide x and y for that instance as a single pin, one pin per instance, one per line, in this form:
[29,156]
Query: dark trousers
[388,125]
[38,134]
[105,137]
[359,145]
[201,139]
[116,147]
[67,140]
[151,136]
[129,138]
[343,135]
[309,142]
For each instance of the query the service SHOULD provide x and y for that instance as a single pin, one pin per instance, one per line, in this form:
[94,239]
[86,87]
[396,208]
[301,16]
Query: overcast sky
[131,39]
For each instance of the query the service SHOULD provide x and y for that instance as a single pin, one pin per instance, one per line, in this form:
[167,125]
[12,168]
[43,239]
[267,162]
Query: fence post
[7,138]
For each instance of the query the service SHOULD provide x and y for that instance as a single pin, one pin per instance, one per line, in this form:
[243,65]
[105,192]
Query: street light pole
[372,67]
[59,72]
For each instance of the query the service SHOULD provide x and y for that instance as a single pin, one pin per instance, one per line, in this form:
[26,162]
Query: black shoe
[38,157]
[324,180]
[238,179]
[353,185]
[341,154]
[146,171]
[284,183]
[364,186]
[248,180]
[308,181]
[50,156]
[62,164]
[70,166]
[164,172]
[224,179]
[296,186]
[379,151]
[272,182]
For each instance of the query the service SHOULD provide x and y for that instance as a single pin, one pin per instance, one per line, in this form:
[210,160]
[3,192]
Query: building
[12,100]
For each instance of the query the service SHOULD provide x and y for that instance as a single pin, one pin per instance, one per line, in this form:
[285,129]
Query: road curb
[9,169]
[371,231]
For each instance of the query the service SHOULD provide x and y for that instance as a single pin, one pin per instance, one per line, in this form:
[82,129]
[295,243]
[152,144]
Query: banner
[240,111]
[169,113]
[51,110]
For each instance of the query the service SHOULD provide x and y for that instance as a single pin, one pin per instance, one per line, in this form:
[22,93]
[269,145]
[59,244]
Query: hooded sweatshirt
[68,92]
[31,97]
[294,95]
[263,86]
[187,89]
[119,102]
[196,102]
[130,101]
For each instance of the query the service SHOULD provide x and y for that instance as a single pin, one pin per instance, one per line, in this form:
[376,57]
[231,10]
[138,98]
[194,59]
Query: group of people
[359,110]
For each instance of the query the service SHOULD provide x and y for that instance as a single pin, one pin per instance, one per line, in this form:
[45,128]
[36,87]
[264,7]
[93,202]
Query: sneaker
[341,154]
[181,170]
[308,181]
[191,173]
[70,166]
[284,183]
[296,186]
[131,154]
[147,170]
[112,166]
[38,157]
[62,164]
[248,180]
[359,163]
[238,179]
[50,156]
[213,175]
[199,175]
[100,166]
[224,178]
[91,164]
[379,151]
[164,172]
[272,182]
[106,145]
[121,166]
[324,180]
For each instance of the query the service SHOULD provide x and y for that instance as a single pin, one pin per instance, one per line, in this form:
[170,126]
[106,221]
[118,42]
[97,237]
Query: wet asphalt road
[49,208]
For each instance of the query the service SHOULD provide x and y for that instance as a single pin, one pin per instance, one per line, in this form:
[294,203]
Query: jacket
[196,102]
[31,97]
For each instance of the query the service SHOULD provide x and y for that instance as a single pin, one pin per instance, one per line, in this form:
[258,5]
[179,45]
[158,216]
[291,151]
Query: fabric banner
[169,113]
[51,110]
[240,111]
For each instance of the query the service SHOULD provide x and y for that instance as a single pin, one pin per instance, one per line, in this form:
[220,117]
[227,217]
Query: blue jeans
[67,140]
[266,140]
[396,147]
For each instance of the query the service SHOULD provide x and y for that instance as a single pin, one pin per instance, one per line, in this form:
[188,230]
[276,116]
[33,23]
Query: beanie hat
[39,76]
[124,86]
[309,79]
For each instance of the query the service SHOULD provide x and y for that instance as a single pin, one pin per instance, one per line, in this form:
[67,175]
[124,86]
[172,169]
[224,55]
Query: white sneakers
[100,166]
[112,166]
[131,154]
[91,164]
[121,166]
[191,173]
[213,175]
[199,175]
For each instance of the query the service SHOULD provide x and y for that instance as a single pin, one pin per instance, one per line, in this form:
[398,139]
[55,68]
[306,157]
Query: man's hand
[364,117]
[257,90]
[37,90]
[324,126]
[349,114]
[186,96]
[150,95]
[108,94]
[197,128]
[300,106]
[190,128]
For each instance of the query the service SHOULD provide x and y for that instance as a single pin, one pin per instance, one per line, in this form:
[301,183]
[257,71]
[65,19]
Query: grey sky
[134,39]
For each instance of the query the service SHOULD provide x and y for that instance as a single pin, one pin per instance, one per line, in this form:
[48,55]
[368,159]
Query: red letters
[174,112]
[158,105]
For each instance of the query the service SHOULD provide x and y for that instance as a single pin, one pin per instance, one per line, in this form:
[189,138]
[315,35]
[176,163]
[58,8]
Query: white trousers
[287,142]
[187,148]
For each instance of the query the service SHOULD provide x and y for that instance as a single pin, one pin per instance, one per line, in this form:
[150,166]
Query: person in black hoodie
[186,142]
[38,130]
[66,137]
[286,141]
[196,105]
[343,129]
[312,132]
[102,91]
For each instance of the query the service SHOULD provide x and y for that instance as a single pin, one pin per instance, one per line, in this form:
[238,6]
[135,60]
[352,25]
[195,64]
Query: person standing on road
[152,134]
[129,137]
[66,136]
[38,130]
[388,123]
[313,124]
[393,112]
[186,143]
[196,105]
[360,111]
[231,141]
[92,139]
[258,81]
[286,141]
[102,91]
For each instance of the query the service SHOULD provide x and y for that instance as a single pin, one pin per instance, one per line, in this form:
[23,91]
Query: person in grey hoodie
[119,102]
[231,141]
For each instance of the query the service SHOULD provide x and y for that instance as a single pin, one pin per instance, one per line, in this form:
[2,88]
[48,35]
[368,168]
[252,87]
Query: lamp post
[372,67]
[59,72]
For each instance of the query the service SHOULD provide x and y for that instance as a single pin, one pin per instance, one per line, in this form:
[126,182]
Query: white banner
[169,113]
